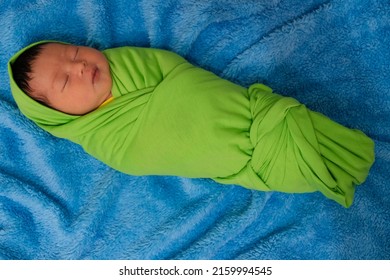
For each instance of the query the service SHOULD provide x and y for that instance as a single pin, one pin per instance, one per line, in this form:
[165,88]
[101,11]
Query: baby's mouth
[95,75]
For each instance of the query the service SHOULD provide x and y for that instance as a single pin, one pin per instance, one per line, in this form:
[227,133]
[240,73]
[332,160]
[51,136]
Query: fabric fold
[298,150]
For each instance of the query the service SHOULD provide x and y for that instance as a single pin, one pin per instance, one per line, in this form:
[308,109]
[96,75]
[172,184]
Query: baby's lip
[95,75]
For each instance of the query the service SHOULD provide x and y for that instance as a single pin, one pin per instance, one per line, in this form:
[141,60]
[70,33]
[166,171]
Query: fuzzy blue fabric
[56,202]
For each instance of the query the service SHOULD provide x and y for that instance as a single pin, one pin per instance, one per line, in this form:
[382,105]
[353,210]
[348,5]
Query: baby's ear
[41,98]
[42,101]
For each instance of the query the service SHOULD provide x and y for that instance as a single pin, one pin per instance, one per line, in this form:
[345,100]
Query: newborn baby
[147,111]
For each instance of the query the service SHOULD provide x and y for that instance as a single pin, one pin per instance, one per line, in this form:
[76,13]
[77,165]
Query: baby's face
[71,79]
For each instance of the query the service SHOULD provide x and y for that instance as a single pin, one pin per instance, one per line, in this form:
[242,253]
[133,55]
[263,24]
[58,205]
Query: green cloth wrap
[169,117]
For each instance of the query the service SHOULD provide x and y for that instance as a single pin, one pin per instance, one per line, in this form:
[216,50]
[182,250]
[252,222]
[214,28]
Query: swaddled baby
[147,111]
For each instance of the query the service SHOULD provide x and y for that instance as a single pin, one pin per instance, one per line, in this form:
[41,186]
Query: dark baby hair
[22,71]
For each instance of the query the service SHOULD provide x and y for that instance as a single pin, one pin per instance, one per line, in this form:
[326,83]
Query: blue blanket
[56,202]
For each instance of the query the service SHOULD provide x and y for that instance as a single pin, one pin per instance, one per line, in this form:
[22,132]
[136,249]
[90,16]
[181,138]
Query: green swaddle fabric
[169,117]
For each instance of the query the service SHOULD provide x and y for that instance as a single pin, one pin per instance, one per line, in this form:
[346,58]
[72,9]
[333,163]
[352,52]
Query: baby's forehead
[49,53]
[55,48]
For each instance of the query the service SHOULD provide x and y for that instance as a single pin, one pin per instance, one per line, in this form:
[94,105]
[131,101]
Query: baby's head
[72,79]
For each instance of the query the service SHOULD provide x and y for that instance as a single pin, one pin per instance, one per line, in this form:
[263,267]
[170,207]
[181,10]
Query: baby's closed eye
[77,52]
[65,82]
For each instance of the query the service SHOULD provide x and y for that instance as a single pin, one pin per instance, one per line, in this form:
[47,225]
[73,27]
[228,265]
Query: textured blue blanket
[56,202]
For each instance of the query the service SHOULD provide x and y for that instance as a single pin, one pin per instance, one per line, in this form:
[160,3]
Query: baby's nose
[80,66]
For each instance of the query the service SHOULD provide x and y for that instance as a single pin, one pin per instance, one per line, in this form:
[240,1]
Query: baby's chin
[106,97]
